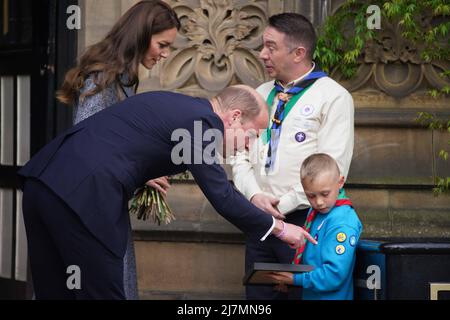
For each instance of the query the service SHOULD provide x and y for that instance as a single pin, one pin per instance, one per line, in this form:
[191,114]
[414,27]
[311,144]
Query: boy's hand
[282,277]
[282,280]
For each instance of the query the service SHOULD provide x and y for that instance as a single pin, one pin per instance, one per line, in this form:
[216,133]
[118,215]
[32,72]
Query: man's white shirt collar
[292,83]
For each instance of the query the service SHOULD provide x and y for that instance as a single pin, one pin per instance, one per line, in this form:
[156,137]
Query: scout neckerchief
[341,201]
[286,100]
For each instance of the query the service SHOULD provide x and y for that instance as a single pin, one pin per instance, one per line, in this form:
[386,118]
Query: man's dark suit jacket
[96,166]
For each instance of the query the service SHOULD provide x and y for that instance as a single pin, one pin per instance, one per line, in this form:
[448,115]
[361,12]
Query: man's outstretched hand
[268,204]
[293,235]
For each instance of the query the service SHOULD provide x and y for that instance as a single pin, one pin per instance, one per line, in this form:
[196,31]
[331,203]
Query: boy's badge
[352,241]
[340,249]
[341,237]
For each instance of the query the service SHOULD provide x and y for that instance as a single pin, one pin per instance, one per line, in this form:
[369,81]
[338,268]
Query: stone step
[189,270]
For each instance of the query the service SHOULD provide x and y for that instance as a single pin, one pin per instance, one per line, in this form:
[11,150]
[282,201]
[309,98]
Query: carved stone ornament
[393,65]
[217,46]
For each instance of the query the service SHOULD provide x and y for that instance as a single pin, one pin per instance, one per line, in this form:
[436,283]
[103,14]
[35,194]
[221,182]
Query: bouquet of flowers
[151,203]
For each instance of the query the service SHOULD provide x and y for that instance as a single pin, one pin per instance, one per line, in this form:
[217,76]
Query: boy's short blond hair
[317,163]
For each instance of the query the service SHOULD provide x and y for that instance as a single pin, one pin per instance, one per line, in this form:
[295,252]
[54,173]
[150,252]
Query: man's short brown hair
[298,30]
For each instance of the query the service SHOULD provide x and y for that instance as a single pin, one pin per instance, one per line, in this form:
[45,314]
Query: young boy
[335,225]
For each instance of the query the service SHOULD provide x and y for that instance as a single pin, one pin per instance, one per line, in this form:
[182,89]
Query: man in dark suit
[76,189]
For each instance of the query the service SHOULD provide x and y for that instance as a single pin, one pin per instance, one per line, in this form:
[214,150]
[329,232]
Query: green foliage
[442,184]
[344,35]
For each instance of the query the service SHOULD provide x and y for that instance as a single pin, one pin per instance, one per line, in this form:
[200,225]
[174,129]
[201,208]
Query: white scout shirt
[322,121]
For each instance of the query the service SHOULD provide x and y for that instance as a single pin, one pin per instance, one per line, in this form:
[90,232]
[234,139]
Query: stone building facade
[200,255]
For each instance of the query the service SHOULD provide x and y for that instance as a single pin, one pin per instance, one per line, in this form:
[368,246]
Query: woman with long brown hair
[108,73]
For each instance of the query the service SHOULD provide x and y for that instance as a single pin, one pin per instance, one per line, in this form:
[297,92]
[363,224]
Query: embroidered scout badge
[341,237]
[340,249]
[307,110]
[352,241]
[300,137]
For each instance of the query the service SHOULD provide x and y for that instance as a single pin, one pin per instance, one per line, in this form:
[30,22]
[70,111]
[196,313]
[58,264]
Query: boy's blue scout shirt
[333,258]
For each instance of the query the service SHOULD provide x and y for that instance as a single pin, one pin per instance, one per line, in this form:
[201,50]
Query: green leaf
[443,154]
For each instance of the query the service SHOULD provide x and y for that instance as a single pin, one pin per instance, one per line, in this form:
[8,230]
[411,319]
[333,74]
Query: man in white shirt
[315,115]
